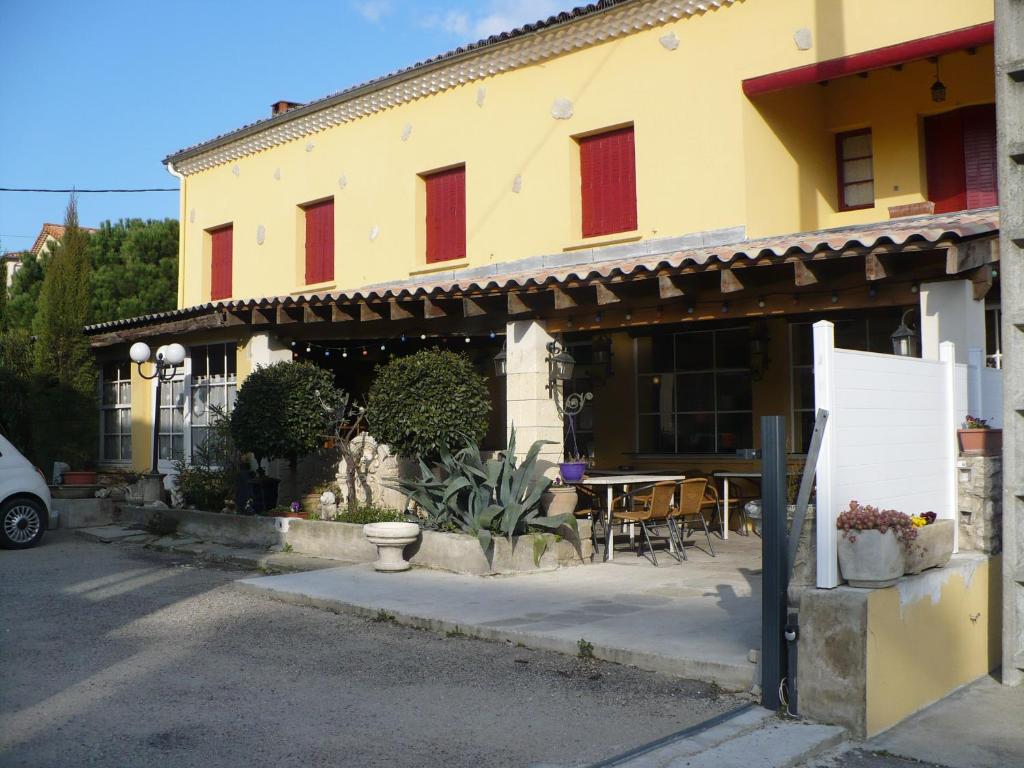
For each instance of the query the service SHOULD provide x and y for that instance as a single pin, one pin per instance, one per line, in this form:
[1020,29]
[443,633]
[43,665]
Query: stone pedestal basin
[390,539]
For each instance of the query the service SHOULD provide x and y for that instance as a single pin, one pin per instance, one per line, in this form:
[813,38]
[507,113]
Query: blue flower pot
[572,472]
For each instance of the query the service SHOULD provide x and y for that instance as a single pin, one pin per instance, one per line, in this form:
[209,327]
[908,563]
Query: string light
[725,307]
[423,337]
[760,301]
[835,297]
[467,339]
[402,338]
[493,335]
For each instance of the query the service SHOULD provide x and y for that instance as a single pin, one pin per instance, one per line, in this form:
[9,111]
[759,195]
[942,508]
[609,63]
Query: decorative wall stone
[980,503]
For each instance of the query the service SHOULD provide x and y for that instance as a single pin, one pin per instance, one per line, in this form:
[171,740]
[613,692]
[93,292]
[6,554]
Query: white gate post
[947,355]
[825,397]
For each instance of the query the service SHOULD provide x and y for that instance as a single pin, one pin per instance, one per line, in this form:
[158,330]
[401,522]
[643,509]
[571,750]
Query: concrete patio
[698,619]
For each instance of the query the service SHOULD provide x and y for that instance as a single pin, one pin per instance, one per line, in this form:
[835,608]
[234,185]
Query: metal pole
[775,579]
[156,422]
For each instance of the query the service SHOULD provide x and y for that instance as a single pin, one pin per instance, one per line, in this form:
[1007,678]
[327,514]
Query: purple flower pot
[572,472]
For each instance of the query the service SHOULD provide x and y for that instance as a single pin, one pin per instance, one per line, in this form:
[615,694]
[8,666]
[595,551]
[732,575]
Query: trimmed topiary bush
[280,411]
[421,402]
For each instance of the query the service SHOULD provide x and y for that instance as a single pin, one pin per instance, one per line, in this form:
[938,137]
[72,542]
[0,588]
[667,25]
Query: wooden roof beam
[730,281]
[804,274]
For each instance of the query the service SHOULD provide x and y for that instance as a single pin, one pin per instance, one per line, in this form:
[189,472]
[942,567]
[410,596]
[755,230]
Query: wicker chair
[692,500]
[659,512]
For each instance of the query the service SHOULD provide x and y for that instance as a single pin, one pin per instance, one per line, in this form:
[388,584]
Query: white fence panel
[985,389]
[890,438]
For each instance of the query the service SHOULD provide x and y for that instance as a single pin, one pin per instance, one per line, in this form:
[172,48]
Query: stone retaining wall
[345,541]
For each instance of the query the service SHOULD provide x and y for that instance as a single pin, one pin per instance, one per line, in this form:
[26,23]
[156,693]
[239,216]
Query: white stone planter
[872,560]
[932,548]
[391,539]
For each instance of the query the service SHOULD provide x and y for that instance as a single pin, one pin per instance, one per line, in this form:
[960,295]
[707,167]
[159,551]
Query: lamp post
[167,361]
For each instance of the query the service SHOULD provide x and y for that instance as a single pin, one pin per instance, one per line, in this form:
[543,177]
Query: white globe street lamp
[166,362]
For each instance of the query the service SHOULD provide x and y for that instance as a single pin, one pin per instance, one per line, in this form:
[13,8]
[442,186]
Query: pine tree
[62,350]
[65,421]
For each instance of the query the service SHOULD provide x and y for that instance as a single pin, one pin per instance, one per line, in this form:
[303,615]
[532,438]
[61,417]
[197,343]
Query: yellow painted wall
[921,651]
[707,157]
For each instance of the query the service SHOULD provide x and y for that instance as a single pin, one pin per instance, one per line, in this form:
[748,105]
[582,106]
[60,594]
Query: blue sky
[95,94]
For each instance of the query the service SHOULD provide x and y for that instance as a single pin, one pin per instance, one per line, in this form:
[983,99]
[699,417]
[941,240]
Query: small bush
[427,400]
[369,514]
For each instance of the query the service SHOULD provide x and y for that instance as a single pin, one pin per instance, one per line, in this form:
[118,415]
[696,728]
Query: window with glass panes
[171,441]
[116,411]
[855,171]
[694,392]
[866,332]
[214,383]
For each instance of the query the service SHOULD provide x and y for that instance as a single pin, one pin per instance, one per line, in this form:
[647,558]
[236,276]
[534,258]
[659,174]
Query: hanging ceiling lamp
[938,89]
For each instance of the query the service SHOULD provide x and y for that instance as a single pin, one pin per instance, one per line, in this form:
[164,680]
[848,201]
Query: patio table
[610,481]
[725,495]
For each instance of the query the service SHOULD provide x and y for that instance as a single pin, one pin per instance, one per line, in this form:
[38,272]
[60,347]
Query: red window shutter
[944,160]
[979,126]
[608,182]
[446,215]
[220,279]
[320,242]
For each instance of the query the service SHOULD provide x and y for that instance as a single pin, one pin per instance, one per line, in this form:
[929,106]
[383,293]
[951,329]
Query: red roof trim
[922,48]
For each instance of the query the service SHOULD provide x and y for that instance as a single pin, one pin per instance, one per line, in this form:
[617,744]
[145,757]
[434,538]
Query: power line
[85,191]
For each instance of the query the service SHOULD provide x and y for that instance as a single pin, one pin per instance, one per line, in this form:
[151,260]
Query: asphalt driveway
[112,656]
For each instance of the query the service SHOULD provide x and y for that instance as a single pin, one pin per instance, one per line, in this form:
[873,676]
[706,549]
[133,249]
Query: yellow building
[673,189]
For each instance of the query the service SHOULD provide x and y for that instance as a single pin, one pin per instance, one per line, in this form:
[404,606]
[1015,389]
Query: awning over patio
[697,269]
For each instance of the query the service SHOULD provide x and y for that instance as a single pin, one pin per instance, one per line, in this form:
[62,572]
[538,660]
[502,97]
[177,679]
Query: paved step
[256,559]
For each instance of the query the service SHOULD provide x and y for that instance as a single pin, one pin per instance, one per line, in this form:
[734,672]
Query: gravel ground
[866,758]
[114,656]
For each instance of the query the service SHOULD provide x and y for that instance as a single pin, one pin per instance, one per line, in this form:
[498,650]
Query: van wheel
[22,523]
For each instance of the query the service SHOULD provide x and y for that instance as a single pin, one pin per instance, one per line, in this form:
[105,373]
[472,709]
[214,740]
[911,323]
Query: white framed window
[213,384]
[116,412]
[208,377]
[993,336]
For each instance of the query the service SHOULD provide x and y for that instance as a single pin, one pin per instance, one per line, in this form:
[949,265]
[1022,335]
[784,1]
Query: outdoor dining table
[725,495]
[610,481]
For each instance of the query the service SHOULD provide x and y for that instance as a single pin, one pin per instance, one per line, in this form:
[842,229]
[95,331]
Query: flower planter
[311,504]
[980,442]
[932,548]
[572,471]
[559,500]
[391,539]
[871,559]
[79,477]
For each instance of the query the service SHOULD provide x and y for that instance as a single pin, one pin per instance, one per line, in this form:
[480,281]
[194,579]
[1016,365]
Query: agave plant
[499,496]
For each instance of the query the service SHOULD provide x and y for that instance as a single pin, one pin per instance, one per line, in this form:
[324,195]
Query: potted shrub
[421,403]
[977,438]
[934,543]
[391,539]
[873,545]
[79,477]
[281,413]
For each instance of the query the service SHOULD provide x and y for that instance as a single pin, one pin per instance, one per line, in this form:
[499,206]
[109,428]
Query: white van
[24,500]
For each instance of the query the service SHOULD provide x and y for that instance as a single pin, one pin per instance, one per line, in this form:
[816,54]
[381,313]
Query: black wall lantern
[560,368]
[501,361]
[905,341]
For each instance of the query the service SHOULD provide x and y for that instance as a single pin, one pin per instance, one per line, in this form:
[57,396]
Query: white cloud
[496,16]
[372,10]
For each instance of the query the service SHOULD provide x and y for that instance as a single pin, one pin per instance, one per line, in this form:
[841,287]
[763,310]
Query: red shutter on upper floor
[979,125]
[220,249]
[608,182]
[320,242]
[960,157]
[446,215]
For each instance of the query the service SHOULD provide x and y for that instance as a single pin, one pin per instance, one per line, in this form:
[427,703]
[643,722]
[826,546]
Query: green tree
[421,402]
[63,359]
[283,410]
[23,295]
[135,268]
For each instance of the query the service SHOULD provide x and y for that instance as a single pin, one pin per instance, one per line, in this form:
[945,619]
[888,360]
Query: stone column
[263,349]
[530,409]
[950,313]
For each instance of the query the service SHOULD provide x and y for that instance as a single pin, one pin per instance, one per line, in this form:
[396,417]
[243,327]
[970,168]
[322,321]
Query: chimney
[280,107]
